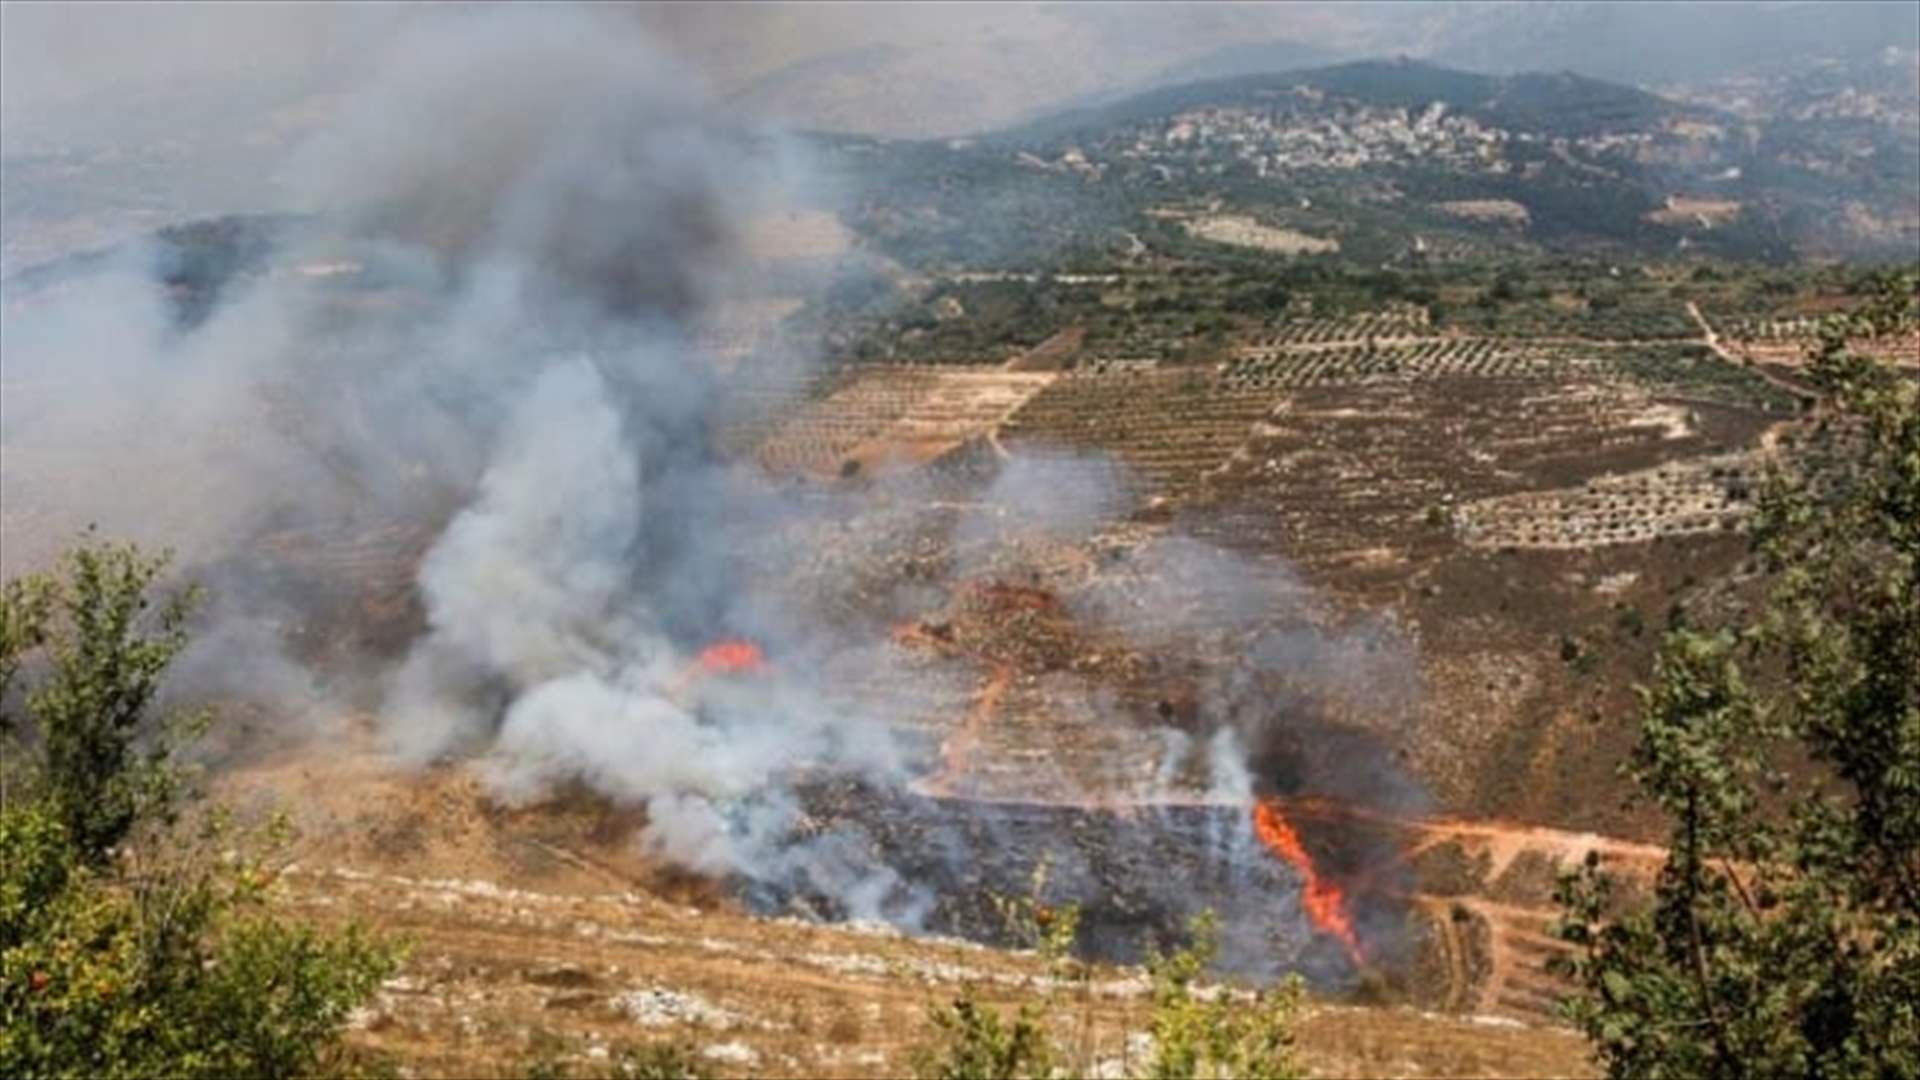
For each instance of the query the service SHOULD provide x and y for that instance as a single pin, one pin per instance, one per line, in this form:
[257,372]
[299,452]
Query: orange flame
[957,749]
[1326,905]
[732,656]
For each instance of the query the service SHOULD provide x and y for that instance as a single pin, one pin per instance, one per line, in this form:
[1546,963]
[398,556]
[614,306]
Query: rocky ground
[530,939]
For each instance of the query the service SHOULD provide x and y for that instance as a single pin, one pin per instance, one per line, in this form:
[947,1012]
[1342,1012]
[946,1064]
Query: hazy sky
[921,68]
[54,54]
[114,115]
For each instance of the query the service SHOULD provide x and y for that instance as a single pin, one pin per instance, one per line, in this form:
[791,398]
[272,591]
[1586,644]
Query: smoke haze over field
[536,209]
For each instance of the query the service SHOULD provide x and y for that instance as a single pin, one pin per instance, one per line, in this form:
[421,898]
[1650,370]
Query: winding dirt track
[1519,941]
[1711,339]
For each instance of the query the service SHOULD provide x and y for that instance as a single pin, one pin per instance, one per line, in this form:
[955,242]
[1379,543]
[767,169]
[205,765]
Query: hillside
[537,937]
[1563,104]
[702,583]
[1388,157]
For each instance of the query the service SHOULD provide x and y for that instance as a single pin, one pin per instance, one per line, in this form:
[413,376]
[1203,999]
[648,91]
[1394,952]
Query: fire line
[732,656]
[1325,903]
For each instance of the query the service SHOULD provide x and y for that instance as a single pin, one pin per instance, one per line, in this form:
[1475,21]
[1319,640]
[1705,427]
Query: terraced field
[907,414]
[1691,372]
[1441,508]
[1395,323]
[1287,368]
[1443,484]
[1685,498]
[1169,427]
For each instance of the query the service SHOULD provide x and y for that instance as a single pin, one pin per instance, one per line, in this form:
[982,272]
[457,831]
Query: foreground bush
[130,947]
[1196,1034]
[1215,1036]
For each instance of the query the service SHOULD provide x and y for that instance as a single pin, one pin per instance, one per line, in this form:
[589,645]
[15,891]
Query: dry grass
[498,976]
[540,932]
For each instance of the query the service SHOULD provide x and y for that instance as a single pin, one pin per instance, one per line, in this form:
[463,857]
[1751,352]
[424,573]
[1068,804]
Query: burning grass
[1324,901]
[732,656]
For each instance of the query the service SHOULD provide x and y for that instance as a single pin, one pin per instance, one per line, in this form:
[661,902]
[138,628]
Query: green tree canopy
[1783,935]
[129,945]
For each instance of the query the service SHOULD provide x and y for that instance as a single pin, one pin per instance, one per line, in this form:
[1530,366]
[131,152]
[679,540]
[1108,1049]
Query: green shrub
[1214,1034]
[180,969]
[976,1042]
[1216,1037]
[128,947]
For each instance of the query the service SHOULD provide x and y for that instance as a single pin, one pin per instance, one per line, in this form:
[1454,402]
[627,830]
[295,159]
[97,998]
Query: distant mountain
[1233,61]
[954,69]
[1382,158]
[1673,42]
[939,70]
[1562,104]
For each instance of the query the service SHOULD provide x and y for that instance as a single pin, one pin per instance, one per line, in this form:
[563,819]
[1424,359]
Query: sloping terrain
[1376,158]
[1317,617]
[1405,564]
[1510,514]
[686,614]
[1461,539]
[536,934]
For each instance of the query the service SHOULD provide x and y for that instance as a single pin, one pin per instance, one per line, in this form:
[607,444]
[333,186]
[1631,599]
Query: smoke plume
[475,358]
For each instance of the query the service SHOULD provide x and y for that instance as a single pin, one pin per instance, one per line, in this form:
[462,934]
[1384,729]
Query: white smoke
[522,583]
[590,206]
[537,211]
[542,212]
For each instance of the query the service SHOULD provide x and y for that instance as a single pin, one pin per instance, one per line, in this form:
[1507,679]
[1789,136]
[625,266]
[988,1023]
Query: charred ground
[1402,520]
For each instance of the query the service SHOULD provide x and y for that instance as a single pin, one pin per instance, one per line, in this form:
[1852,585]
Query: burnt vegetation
[1300,501]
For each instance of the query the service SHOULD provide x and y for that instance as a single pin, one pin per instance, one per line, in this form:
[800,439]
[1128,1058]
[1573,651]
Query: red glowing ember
[731,657]
[1326,905]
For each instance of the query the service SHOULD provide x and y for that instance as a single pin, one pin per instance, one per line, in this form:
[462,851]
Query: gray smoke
[522,584]
[534,213]
[479,352]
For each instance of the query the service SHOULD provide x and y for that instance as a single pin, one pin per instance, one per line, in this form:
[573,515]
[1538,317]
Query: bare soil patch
[1687,210]
[1242,231]
[1502,211]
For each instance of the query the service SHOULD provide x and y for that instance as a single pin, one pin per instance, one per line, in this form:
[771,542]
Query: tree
[104,641]
[177,969]
[130,946]
[1783,933]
